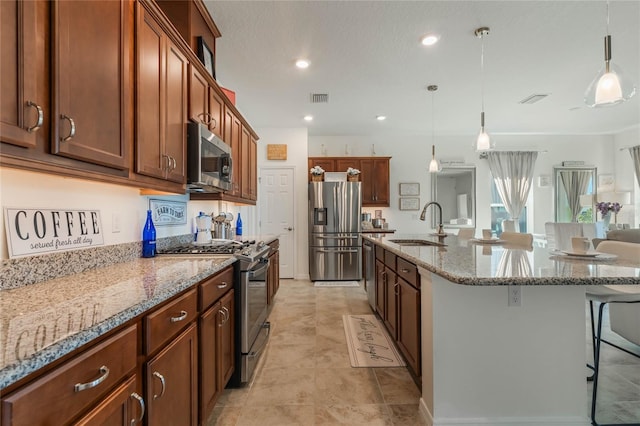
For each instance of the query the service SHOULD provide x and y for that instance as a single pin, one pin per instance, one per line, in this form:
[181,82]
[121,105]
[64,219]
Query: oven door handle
[252,273]
[338,251]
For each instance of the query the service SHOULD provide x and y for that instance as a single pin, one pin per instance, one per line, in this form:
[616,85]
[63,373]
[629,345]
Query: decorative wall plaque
[166,212]
[33,231]
[276,151]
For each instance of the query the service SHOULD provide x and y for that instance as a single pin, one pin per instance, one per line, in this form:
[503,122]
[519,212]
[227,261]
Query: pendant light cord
[433,124]
[482,74]
[607,17]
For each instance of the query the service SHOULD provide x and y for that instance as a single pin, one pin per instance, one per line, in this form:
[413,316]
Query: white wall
[411,156]
[296,141]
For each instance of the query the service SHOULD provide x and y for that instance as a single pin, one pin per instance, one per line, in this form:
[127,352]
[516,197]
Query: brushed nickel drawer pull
[183,315]
[72,132]
[224,284]
[142,408]
[162,382]
[227,314]
[40,116]
[404,270]
[104,371]
[215,123]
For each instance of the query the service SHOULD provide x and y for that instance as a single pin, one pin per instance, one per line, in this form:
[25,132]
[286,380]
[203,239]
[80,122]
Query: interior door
[277,213]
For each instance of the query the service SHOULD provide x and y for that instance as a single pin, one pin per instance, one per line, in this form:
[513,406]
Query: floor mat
[368,342]
[336,284]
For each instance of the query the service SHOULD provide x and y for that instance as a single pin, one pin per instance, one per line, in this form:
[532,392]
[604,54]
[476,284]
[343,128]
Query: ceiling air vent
[532,99]
[319,98]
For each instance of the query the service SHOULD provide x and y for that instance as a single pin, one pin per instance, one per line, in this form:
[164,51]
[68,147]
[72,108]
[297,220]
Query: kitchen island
[485,362]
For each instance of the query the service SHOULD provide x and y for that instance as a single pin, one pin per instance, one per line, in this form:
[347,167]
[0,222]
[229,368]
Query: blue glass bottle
[239,225]
[149,237]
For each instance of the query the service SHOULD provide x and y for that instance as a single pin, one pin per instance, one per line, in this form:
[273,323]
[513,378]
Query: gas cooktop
[247,250]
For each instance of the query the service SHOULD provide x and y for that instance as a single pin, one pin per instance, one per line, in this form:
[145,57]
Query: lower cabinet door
[380,289]
[210,323]
[409,338]
[391,306]
[172,382]
[123,407]
[226,340]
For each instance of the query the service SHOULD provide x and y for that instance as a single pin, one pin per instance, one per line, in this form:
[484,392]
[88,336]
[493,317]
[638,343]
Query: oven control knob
[260,244]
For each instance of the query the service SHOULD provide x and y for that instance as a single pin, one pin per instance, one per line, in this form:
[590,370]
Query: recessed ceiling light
[302,63]
[430,39]
[308,118]
[381,117]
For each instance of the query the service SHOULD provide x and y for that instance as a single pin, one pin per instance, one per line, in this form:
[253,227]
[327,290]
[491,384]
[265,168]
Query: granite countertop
[42,322]
[465,262]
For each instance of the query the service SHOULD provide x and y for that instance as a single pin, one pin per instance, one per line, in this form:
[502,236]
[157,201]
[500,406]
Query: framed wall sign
[166,212]
[206,56]
[276,151]
[410,188]
[410,203]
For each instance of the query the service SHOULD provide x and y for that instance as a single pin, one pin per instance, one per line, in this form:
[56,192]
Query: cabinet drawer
[409,272]
[167,321]
[390,259]
[380,253]
[62,394]
[215,287]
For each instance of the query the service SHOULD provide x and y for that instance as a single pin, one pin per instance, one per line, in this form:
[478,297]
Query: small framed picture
[167,212]
[206,56]
[606,182]
[410,203]
[410,188]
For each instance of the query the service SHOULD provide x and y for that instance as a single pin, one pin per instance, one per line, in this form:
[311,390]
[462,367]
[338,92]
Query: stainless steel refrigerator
[335,252]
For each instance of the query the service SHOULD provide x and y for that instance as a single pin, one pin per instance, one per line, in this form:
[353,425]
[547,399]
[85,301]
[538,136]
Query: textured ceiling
[367,56]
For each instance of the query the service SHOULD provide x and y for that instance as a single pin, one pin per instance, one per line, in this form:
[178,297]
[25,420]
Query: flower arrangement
[317,171]
[605,208]
[353,172]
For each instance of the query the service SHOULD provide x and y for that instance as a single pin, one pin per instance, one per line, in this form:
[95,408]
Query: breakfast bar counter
[488,358]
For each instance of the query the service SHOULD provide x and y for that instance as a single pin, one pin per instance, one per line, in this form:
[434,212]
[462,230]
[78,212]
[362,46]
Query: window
[499,213]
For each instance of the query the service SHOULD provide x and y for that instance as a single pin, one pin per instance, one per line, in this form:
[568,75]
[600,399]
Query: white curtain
[575,183]
[513,174]
[635,155]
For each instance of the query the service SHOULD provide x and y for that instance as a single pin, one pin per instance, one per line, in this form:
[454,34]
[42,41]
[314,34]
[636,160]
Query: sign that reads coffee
[33,231]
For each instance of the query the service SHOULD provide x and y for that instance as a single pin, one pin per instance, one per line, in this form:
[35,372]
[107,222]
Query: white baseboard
[428,419]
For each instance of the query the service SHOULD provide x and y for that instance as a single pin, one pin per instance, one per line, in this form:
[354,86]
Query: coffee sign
[33,231]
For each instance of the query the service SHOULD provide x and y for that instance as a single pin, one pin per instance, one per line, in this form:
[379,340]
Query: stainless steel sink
[416,243]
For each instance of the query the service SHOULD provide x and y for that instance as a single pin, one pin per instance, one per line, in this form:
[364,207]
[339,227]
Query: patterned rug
[368,342]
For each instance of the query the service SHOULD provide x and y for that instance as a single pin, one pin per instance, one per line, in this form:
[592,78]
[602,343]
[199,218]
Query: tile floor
[305,378]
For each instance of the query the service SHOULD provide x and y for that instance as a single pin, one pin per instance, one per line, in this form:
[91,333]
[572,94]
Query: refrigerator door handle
[338,251]
[337,238]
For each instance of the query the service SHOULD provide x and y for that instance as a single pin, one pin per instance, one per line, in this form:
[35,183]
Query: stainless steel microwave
[209,162]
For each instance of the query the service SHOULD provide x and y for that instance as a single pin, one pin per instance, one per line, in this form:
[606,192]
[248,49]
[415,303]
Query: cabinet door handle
[183,315]
[205,118]
[174,163]
[227,313]
[223,284]
[162,382]
[40,117]
[222,314]
[72,131]
[395,289]
[404,270]
[142,408]
[168,161]
[215,123]
[104,373]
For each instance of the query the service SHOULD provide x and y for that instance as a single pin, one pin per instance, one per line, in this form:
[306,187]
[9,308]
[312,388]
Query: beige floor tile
[286,355]
[224,416]
[362,414]
[233,397]
[347,386]
[283,386]
[277,415]
[397,386]
[406,415]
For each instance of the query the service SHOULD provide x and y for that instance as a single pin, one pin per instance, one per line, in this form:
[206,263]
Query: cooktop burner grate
[230,247]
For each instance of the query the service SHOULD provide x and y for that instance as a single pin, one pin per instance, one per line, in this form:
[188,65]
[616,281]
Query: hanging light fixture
[610,86]
[434,165]
[483,142]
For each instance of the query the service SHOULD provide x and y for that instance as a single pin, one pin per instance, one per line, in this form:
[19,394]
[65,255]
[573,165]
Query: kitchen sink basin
[416,243]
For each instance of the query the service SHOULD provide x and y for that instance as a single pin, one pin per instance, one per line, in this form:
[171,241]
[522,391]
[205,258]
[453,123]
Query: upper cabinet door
[216,109]
[91,83]
[198,97]
[176,113]
[21,111]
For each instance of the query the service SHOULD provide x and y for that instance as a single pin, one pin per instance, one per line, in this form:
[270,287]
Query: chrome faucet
[423,215]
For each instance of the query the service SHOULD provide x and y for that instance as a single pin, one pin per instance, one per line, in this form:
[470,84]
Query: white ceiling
[367,56]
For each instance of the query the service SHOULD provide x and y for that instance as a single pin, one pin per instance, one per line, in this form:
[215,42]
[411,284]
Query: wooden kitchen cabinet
[122,407]
[76,386]
[381,284]
[233,130]
[90,82]
[408,327]
[22,109]
[161,101]
[205,106]
[391,302]
[245,171]
[374,175]
[172,382]
[253,168]
[216,343]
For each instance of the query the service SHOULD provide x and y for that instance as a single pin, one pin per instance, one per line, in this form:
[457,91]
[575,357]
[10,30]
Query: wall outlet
[515,295]
[115,223]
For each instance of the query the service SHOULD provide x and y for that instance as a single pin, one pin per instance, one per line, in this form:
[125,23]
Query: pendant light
[610,86]
[483,142]
[434,165]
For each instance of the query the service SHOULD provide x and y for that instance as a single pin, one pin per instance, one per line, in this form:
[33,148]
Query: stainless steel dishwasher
[369,272]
